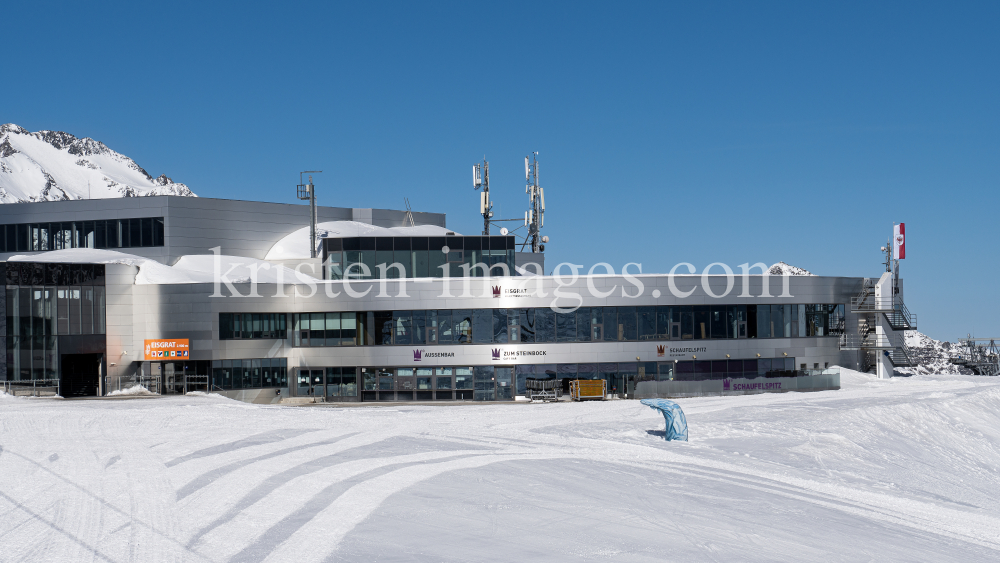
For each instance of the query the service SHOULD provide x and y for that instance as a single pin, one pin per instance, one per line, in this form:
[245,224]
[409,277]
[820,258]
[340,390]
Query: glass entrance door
[504,377]
[484,381]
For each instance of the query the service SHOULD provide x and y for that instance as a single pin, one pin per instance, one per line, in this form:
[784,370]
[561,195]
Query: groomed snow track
[897,470]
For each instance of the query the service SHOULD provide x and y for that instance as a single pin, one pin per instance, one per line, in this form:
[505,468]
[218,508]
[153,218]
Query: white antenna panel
[525,218]
[474,176]
[541,220]
[525,169]
[482,202]
[541,194]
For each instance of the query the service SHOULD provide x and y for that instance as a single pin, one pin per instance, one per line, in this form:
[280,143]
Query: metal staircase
[868,306]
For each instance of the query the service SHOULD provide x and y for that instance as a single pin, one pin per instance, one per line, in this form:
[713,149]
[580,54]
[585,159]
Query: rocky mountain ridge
[55,165]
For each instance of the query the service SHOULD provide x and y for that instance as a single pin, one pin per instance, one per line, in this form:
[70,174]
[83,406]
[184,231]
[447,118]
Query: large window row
[250,374]
[419,257]
[586,324]
[50,311]
[109,233]
[44,273]
[244,326]
[328,382]
[620,374]
[499,382]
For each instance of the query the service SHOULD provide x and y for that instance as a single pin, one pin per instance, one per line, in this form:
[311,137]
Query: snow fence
[677,426]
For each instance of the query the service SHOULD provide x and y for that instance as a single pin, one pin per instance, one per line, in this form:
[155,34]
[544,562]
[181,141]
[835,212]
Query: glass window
[317,328]
[565,327]
[147,234]
[333,335]
[75,310]
[445,333]
[647,323]
[777,324]
[348,328]
[100,309]
[687,322]
[527,318]
[718,318]
[764,321]
[583,329]
[702,324]
[462,322]
[158,231]
[87,309]
[545,330]
[662,322]
[383,328]
[348,382]
[419,327]
[514,324]
[628,326]
[134,232]
[463,378]
[500,326]
[402,321]
[482,326]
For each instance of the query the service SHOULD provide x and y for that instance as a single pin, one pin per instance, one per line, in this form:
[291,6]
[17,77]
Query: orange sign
[167,348]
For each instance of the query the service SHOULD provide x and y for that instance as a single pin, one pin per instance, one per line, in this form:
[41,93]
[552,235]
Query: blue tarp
[677,426]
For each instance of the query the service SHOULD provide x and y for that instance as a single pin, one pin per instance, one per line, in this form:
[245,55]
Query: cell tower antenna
[409,212]
[535,217]
[308,191]
[481,179]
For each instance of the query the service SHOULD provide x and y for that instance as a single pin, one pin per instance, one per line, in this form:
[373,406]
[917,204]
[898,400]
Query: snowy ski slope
[900,470]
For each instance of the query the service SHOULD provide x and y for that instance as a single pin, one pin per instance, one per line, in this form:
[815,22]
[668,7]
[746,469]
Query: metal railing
[872,304]
[32,387]
[870,341]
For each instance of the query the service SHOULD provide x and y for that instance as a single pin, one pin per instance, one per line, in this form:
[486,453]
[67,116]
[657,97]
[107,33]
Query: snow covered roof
[295,246]
[189,269]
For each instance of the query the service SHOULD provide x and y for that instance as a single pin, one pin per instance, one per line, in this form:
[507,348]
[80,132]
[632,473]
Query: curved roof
[295,246]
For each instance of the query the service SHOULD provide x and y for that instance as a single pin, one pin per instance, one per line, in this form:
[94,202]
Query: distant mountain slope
[52,166]
[931,356]
[781,269]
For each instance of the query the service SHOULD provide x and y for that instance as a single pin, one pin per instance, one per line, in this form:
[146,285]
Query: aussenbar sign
[166,348]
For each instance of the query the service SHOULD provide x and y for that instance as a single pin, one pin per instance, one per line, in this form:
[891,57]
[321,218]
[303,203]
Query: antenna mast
[534,218]
[481,179]
[308,191]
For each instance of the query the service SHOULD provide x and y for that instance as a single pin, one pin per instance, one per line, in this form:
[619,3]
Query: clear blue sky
[667,132]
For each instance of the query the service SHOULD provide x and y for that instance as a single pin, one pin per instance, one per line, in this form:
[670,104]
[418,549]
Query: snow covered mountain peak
[782,269]
[55,165]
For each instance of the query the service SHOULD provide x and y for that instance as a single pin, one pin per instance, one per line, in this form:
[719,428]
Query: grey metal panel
[195,225]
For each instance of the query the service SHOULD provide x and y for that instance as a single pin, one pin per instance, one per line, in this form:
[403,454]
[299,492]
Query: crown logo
[496,353]
[496,291]
[725,385]
[417,354]
[660,350]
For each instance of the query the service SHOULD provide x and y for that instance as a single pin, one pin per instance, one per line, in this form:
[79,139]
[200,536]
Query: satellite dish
[545,238]
[445,249]
[504,231]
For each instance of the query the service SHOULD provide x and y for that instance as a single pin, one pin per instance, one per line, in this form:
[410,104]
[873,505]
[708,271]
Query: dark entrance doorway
[79,374]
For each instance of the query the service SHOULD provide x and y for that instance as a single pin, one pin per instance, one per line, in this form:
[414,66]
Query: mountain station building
[183,294]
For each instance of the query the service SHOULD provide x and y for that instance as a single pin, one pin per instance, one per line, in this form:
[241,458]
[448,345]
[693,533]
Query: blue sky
[667,132]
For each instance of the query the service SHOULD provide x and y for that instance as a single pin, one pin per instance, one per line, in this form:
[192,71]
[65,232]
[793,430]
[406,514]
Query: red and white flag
[899,241]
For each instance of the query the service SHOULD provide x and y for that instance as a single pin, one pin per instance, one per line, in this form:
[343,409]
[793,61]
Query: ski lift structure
[981,355]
